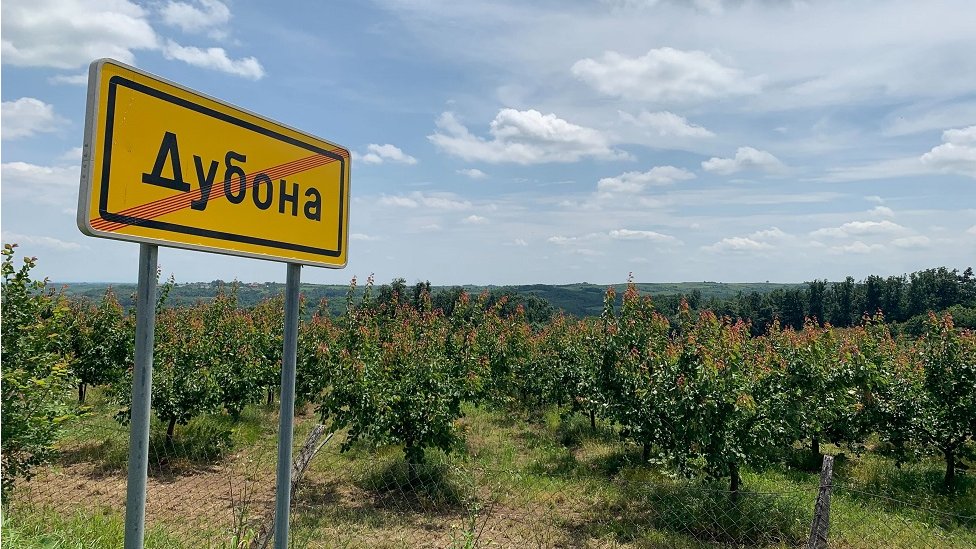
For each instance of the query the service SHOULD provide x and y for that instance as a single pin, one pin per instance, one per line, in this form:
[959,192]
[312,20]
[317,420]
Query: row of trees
[707,395]
[695,390]
[902,299]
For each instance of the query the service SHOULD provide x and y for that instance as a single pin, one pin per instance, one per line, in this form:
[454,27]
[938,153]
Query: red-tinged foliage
[701,394]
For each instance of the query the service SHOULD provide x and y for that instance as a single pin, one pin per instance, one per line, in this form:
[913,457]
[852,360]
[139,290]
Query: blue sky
[544,142]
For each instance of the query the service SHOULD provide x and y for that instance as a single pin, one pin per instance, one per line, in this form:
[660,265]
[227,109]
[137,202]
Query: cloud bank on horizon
[509,143]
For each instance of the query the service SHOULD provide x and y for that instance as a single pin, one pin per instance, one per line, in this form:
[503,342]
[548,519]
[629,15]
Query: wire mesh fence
[212,485]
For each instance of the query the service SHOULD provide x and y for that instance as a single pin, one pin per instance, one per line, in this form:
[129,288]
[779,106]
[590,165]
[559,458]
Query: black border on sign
[116,81]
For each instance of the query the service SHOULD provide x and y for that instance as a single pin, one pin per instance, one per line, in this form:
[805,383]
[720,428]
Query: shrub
[36,376]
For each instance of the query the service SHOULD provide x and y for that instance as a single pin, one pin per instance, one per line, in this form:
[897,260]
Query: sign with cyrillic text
[166,165]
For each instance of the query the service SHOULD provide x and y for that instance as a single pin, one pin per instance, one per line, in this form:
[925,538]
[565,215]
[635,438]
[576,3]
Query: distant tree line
[904,299]
[506,301]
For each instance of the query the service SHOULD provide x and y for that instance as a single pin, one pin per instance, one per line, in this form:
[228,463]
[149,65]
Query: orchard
[698,393]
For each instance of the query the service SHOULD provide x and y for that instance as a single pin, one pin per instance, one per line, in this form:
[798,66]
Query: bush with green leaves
[717,419]
[930,401]
[317,350]
[36,375]
[392,383]
[185,383]
[634,367]
[566,366]
[824,382]
[268,318]
[948,417]
[102,339]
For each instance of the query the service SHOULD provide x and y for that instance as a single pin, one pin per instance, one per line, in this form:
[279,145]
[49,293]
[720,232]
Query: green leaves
[36,375]
[700,391]
[392,382]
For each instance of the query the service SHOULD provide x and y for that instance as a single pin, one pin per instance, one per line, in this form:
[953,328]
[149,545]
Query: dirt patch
[187,502]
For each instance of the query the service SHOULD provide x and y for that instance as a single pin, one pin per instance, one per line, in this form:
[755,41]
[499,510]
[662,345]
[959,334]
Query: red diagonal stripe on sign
[170,204]
[180,201]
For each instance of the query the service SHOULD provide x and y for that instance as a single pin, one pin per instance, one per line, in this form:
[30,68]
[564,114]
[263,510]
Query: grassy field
[521,480]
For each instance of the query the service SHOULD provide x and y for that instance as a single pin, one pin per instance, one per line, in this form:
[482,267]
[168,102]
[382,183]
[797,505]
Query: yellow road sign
[167,165]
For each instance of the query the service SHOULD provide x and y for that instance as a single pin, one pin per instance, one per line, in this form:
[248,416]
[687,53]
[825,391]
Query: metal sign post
[135,494]
[286,415]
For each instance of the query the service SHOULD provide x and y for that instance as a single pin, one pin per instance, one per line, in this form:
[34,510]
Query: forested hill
[581,299]
[903,299]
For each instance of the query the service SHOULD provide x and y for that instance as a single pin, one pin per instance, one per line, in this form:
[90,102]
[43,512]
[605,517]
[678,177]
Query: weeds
[527,481]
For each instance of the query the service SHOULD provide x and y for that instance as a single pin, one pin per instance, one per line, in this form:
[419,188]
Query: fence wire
[204,491]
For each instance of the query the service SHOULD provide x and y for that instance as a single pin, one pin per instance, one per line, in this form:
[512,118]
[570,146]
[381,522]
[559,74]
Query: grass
[523,480]
[48,528]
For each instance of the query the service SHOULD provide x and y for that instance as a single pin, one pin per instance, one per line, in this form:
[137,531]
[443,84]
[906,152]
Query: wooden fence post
[821,511]
[313,444]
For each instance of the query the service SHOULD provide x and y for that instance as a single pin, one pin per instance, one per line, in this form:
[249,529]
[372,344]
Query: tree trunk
[646,452]
[592,420]
[82,391]
[734,481]
[270,395]
[950,473]
[169,432]
[414,455]
[815,457]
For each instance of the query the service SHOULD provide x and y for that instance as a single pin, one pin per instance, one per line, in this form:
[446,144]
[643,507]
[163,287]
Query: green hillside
[581,299]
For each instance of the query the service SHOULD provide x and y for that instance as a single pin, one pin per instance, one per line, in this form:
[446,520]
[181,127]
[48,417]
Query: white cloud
[28,116]
[915,120]
[196,17]
[857,247]
[523,137]
[398,201]
[963,136]
[745,158]
[380,153]
[473,173]
[895,167]
[666,124]
[971,230]
[68,34]
[860,228]
[663,75]
[40,241]
[363,237]
[630,234]
[772,233]
[957,153]
[43,178]
[474,220]
[70,79]
[874,198]
[738,244]
[72,155]
[214,58]
[434,201]
[562,240]
[882,211]
[520,242]
[634,182]
[911,242]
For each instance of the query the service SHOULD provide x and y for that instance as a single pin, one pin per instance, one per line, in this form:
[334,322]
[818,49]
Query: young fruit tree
[36,377]
[392,383]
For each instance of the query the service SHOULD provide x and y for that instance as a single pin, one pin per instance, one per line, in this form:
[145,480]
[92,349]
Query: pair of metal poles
[135,500]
